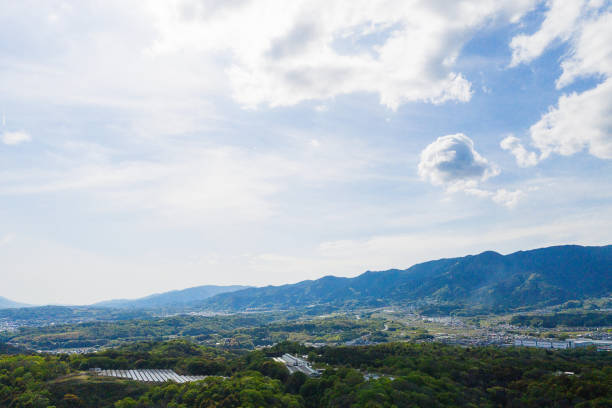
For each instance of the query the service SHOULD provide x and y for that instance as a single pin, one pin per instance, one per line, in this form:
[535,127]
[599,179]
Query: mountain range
[535,278]
[488,281]
[175,298]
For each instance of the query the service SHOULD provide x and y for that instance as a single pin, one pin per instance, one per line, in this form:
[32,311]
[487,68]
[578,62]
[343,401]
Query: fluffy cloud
[591,52]
[524,158]
[168,59]
[452,161]
[15,138]
[559,24]
[580,120]
[283,53]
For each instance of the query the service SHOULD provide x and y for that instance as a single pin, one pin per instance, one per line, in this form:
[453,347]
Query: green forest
[408,375]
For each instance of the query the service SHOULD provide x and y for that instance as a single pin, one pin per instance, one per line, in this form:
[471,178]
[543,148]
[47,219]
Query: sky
[154,145]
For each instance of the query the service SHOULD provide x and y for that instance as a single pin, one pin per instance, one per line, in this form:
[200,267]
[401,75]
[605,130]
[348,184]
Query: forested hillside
[407,375]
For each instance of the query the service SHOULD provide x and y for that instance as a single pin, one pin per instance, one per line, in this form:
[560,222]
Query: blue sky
[151,146]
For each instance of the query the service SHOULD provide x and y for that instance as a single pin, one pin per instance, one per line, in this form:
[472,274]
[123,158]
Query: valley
[381,339]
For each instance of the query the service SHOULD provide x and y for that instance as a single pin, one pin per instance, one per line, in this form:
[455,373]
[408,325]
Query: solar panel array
[150,375]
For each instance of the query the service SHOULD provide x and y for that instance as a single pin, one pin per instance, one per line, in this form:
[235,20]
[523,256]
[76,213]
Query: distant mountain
[489,281]
[10,304]
[175,298]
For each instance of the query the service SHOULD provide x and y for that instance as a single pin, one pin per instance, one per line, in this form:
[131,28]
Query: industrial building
[601,345]
[295,364]
[548,344]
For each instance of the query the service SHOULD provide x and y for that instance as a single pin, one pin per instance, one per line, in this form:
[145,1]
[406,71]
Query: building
[295,364]
[601,345]
[547,344]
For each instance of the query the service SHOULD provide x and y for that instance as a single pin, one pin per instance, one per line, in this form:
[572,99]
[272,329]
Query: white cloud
[103,63]
[559,24]
[451,161]
[591,52]
[15,138]
[167,57]
[524,158]
[582,120]
[163,62]
[283,53]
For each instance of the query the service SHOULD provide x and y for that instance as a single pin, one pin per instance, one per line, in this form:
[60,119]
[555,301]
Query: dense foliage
[246,389]
[23,380]
[437,375]
[398,375]
[179,355]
